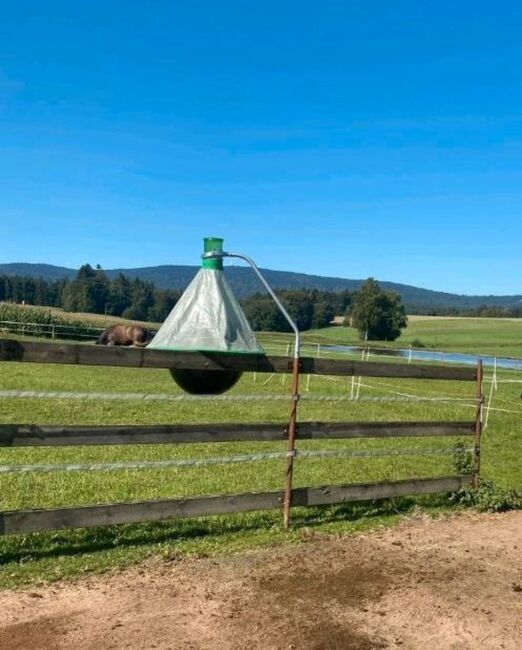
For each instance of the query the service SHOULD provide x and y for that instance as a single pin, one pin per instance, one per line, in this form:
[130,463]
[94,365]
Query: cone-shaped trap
[207,318]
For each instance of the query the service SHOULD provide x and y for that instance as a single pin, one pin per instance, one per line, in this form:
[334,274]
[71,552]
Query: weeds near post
[488,497]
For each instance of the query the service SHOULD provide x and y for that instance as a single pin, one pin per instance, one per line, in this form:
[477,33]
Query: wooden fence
[17,435]
[52,330]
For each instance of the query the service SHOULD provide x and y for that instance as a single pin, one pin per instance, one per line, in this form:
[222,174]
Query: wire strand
[164,397]
[201,462]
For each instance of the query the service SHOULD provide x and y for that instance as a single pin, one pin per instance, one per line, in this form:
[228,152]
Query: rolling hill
[244,283]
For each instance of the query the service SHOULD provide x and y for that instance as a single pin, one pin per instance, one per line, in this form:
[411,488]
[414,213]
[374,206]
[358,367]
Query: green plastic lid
[211,244]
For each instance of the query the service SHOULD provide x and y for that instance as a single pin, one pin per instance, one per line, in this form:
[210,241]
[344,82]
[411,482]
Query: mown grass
[49,556]
[492,336]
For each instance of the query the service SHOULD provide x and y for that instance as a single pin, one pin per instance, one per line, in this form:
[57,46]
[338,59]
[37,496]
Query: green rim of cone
[249,352]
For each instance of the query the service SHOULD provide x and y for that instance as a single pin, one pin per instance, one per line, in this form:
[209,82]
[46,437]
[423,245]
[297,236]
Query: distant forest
[93,291]
[244,284]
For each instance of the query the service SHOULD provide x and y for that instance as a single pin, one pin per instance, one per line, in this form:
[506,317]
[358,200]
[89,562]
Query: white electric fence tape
[165,397]
[201,462]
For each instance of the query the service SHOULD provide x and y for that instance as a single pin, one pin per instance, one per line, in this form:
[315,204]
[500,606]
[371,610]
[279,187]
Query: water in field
[432,355]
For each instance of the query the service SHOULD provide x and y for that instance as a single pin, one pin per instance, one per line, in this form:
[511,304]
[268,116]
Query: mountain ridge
[245,283]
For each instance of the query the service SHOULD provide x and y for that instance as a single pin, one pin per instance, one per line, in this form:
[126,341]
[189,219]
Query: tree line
[309,308]
[482,311]
[376,314]
[92,291]
[486,311]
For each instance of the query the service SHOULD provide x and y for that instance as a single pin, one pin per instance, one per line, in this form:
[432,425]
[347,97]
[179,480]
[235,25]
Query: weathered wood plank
[20,435]
[370,491]
[28,435]
[342,430]
[120,513]
[379,369]
[43,352]
[78,353]
[26,521]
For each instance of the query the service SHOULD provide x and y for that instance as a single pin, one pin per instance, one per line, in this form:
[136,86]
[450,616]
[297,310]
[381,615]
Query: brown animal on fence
[124,335]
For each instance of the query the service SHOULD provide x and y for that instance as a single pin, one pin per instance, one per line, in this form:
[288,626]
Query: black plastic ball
[209,382]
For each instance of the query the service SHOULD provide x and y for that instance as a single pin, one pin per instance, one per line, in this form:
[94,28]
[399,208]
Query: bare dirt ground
[453,583]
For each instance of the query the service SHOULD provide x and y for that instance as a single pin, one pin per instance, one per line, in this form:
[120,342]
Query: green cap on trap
[211,244]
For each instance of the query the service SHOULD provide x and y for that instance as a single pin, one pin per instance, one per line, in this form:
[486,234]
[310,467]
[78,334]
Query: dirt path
[451,584]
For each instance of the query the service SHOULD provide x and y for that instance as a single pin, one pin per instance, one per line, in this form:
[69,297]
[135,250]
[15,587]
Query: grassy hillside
[491,336]
[495,336]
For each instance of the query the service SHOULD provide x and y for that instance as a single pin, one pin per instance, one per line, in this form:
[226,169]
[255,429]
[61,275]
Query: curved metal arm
[292,421]
[269,289]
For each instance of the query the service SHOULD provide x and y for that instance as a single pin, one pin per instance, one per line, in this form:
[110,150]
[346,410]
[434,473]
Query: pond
[432,355]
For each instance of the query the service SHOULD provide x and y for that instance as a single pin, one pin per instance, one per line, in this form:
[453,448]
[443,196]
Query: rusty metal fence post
[292,430]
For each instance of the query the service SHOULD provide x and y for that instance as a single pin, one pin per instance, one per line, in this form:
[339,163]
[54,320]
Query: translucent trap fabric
[207,317]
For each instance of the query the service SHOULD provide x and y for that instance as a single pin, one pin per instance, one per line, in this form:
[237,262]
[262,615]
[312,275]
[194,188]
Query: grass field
[96,320]
[50,556]
[494,336]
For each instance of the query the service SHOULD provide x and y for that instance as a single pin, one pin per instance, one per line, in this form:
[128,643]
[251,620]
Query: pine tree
[142,299]
[99,291]
[77,294]
[119,296]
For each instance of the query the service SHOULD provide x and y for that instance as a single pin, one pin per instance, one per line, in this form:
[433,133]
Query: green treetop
[378,315]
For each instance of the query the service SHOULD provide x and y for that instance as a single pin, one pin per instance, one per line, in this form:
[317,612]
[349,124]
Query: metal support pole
[478,426]
[292,430]
[292,421]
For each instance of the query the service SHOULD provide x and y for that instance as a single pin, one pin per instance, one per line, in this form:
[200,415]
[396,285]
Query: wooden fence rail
[26,521]
[26,435]
[23,435]
[41,352]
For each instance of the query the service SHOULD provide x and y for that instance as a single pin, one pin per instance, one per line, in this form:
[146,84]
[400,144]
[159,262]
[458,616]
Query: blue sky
[338,138]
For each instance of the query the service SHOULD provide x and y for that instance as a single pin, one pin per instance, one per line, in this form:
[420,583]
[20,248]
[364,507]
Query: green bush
[463,459]
[488,497]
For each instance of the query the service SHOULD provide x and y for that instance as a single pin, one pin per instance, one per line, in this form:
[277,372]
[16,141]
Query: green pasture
[51,556]
[492,336]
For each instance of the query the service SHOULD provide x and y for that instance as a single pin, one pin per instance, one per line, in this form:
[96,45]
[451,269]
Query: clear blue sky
[348,138]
